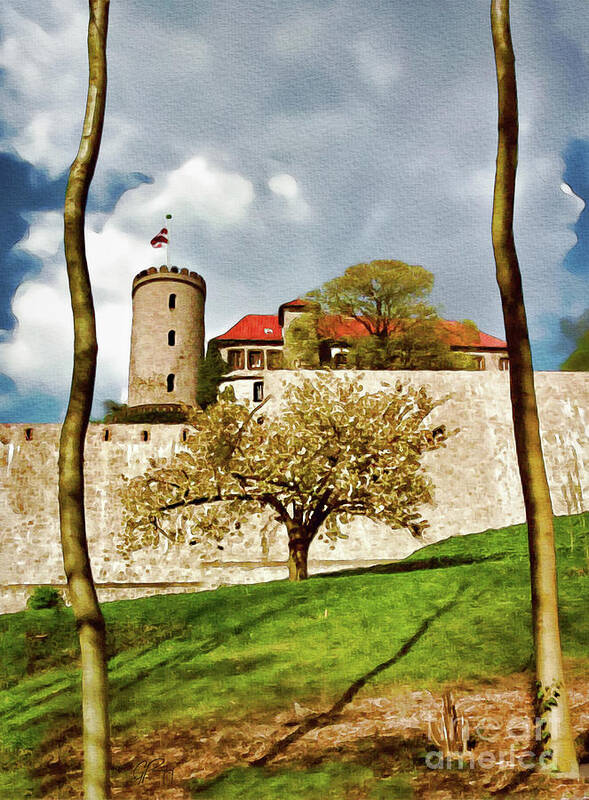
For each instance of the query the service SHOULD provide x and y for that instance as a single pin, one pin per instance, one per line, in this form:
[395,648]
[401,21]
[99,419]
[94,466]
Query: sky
[289,141]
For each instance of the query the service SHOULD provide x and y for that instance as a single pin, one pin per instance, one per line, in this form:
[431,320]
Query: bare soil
[389,733]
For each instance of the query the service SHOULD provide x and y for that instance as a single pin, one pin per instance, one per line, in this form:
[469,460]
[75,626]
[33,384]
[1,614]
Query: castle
[475,475]
[167,341]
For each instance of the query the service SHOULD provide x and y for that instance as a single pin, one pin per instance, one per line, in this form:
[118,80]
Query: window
[144,436]
[184,435]
[170,382]
[172,301]
[339,360]
[479,362]
[235,359]
[258,391]
[171,338]
[255,359]
[503,364]
[106,435]
[274,359]
[28,434]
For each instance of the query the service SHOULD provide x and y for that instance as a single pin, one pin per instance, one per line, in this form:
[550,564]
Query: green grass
[243,650]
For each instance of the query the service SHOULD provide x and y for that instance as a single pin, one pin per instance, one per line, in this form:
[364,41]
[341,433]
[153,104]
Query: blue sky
[289,141]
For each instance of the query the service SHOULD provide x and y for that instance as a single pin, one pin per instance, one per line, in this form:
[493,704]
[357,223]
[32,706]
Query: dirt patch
[388,733]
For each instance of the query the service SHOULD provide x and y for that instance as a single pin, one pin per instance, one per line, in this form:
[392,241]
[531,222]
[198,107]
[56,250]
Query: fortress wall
[476,479]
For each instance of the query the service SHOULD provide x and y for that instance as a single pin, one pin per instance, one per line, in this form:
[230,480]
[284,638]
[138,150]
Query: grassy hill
[239,651]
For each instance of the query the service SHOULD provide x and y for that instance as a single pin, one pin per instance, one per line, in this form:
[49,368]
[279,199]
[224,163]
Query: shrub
[44,597]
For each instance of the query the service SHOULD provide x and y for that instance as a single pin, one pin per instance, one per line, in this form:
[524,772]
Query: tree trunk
[298,551]
[89,619]
[557,741]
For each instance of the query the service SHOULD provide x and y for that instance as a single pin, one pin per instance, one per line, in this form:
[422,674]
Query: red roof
[254,328]
[455,334]
[267,328]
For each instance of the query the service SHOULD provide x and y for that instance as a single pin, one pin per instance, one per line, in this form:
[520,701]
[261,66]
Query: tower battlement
[169,273]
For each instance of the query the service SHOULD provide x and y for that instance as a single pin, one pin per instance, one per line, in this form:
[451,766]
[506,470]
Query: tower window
[170,382]
[171,338]
[172,301]
[258,391]
[184,435]
[144,436]
[106,435]
[28,434]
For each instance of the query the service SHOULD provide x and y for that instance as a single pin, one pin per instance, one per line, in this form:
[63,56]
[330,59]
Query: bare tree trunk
[557,744]
[89,619]
[298,552]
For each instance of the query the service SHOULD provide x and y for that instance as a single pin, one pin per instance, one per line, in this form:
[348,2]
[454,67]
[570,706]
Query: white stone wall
[476,479]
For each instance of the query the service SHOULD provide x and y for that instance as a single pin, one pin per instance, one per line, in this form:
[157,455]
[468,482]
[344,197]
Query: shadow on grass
[397,567]
[207,646]
[321,720]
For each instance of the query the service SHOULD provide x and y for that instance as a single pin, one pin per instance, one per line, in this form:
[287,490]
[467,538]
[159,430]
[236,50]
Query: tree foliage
[577,331]
[211,370]
[390,300]
[331,453]
[301,342]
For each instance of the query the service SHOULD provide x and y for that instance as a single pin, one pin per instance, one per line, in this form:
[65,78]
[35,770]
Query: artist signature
[155,766]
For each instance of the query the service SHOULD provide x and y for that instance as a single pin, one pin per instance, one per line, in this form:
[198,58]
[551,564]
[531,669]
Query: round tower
[167,336]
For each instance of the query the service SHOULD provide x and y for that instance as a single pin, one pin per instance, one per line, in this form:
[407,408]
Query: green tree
[390,300]
[301,342]
[558,749]
[331,454]
[578,332]
[82,592]
[210,374]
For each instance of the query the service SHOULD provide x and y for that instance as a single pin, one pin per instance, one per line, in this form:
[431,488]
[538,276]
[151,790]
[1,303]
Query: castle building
[255,345]
[167,337]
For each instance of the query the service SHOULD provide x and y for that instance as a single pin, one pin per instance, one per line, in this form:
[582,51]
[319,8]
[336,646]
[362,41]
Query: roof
[297,303]
[254,328]
[455,334]
[267,328]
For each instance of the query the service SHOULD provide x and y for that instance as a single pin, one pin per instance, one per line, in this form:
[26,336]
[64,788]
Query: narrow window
[255,359]
[171,338]
[184,435]
[144,436]
[106,435]
[170,382]
[258,391]
[479,362]
[172,301]
[28,434]
[503,364]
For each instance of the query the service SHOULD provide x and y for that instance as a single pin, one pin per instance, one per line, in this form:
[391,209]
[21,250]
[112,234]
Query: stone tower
[167,336]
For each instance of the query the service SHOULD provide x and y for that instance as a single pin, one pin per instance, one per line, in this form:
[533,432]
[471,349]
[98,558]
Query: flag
[161,239]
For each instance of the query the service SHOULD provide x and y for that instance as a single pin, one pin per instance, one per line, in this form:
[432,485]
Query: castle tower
[167,336]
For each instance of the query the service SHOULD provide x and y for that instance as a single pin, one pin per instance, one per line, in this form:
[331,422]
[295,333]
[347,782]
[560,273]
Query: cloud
[38,355]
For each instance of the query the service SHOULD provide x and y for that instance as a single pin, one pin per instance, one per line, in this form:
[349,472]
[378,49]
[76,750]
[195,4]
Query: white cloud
[44,87]
[196,189]
[38,355]
[284,185]
[45,235]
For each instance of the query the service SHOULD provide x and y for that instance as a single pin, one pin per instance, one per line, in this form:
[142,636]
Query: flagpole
[168,218]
